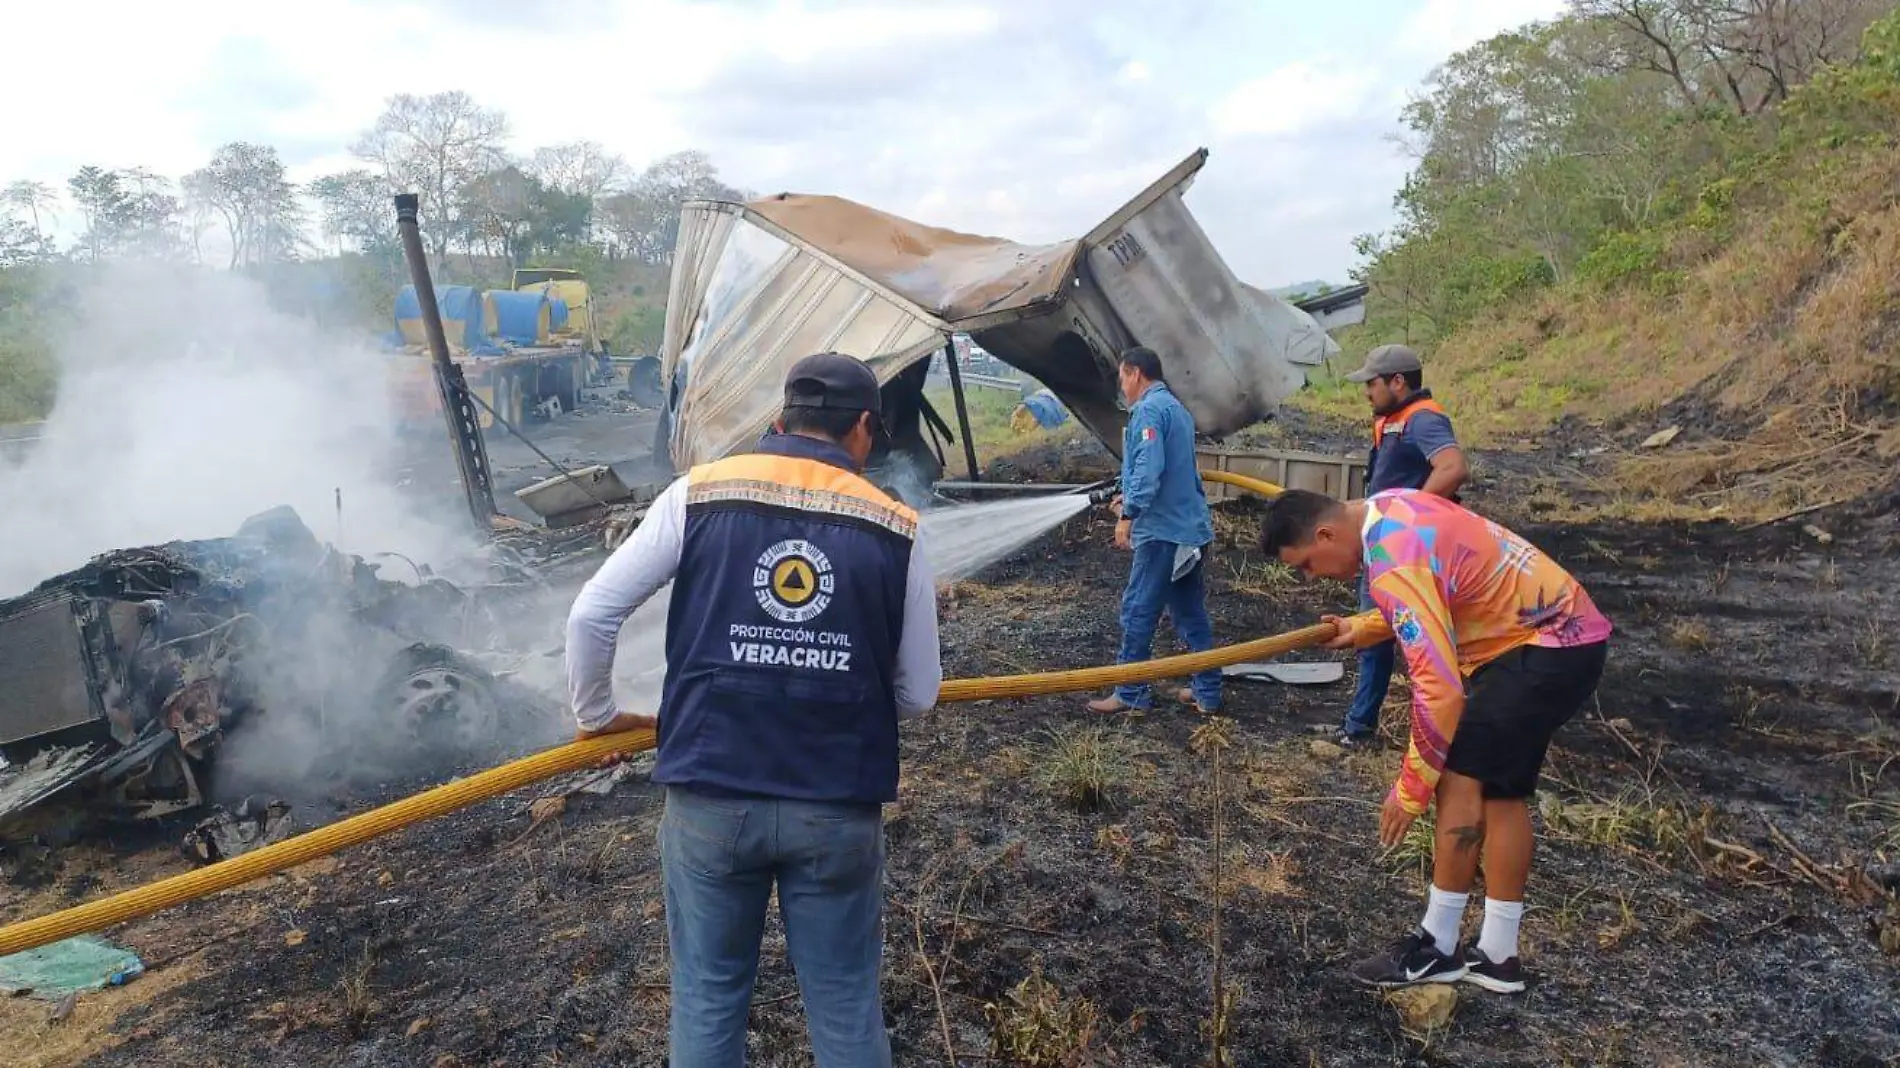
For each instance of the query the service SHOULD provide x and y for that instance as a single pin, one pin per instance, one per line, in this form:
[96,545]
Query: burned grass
[1715,881]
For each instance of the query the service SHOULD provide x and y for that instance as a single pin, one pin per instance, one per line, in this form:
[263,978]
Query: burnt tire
[433,702]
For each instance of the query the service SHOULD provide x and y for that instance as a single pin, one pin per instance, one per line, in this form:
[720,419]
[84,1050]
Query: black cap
[832,380]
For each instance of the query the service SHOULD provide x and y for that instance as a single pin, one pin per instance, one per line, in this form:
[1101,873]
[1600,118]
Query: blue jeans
[1375,678]
[719,859]
[1151,588]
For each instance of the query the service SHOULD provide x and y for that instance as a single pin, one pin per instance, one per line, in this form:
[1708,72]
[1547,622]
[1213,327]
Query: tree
[644,221]
[104,209]
[435,145]
[498,210]
[245,184]
[356,206]
[37,200]
[1741,55]
[579,168]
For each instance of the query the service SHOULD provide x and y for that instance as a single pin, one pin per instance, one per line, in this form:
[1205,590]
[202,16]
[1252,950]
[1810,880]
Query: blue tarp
[462,316]
[1048,411]
[518,316]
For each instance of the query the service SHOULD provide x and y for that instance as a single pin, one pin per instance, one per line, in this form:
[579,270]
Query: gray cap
[1384,361]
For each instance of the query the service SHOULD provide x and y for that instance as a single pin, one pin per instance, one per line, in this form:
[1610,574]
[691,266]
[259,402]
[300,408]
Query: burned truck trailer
[120,680]
[757,285]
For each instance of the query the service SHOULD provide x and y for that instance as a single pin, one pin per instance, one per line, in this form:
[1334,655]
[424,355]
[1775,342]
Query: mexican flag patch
[1147,433]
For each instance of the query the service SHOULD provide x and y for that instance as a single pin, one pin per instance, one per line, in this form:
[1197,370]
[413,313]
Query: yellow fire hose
[1251,485]
[178,889]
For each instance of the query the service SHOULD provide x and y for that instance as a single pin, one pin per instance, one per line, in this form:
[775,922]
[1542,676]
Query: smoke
[907,478]
[185,405]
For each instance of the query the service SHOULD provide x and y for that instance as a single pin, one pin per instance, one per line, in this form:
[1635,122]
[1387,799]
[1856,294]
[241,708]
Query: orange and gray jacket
[1404,442]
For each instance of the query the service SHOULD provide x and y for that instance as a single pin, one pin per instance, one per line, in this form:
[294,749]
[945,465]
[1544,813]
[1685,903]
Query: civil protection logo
[793,581]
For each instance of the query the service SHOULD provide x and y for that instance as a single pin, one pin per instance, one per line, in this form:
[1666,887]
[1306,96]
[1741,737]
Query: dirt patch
[1721,843]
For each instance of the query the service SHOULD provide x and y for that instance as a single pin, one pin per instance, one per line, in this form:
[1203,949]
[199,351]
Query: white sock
[1443,915]
[1498,940]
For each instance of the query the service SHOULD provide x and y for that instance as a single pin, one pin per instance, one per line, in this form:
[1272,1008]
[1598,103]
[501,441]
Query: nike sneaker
[1504,978]
[1412,960]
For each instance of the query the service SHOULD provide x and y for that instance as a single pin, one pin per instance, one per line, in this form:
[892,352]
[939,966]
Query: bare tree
[435,145]
[644,220]
[245,185]
[579,168]
[1745,55]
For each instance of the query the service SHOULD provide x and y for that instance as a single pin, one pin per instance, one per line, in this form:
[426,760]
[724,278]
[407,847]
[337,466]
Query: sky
[1026,119]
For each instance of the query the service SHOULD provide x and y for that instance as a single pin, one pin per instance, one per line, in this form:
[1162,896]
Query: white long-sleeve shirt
[649,559]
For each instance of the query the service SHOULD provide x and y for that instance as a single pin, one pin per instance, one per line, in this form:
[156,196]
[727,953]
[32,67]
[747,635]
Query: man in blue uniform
[802,627]
[1163,519]
[1412,448]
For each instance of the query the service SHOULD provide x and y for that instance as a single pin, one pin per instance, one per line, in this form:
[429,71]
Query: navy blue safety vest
[1395,462]
[782,632]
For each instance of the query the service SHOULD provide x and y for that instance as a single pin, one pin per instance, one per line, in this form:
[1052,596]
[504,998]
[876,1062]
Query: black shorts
[1513,706]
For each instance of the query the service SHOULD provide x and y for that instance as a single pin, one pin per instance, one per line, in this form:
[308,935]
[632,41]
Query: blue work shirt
[1161,488]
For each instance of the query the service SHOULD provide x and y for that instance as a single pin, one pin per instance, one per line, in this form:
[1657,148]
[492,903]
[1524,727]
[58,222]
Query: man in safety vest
[802,627]
[1412,448]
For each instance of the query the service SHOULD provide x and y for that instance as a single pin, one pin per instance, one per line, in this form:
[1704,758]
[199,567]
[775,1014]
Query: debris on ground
[1424,1010]
[226,834]
[65,968]
[121,679]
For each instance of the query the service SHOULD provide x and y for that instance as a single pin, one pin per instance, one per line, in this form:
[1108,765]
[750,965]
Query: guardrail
[1013,385]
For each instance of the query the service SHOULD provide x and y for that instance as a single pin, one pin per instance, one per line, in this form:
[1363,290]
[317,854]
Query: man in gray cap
[1412,448]
[802,627]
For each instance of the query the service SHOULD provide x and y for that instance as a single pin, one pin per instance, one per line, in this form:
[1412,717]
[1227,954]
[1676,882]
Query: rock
[1324,751]
[1622,724]
[295,938]
[1424,1009]
[386,878]
[419,1025]
[1817,534]
[1661,438]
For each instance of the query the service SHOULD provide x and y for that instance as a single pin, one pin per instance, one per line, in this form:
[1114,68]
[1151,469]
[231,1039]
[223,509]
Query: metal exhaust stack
[458,407]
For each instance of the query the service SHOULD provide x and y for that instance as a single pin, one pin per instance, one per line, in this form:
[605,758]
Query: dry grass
[1034,1026]
[1689,635]
[1788,332]
[29,1041]
[1090,768]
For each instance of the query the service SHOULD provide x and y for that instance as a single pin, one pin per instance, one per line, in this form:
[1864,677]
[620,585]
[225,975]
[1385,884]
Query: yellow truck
[525,350]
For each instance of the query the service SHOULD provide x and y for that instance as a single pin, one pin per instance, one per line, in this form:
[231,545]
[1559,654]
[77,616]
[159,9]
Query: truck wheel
[569,383]
[643,381]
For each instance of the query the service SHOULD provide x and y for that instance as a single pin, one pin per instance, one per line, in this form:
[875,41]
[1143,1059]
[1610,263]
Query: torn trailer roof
[755,286]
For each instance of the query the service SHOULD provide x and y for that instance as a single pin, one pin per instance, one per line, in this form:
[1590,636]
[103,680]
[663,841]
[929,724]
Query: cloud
[1031,121]
[1293,99]
[1440,28]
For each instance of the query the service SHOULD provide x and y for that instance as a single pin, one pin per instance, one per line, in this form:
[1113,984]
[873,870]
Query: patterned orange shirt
[1458,591]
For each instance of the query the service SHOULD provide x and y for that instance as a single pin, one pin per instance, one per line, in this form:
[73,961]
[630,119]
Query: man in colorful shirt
[1412,448]
[1503,646]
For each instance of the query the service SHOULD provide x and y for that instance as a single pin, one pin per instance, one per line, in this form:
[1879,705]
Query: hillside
[1757,309]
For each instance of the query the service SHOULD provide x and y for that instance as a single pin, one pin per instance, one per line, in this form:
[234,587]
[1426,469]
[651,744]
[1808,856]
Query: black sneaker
[1412,960]
[1505,978]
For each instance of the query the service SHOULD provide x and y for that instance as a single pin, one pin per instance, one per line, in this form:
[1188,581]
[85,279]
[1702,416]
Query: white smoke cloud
[185,405]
